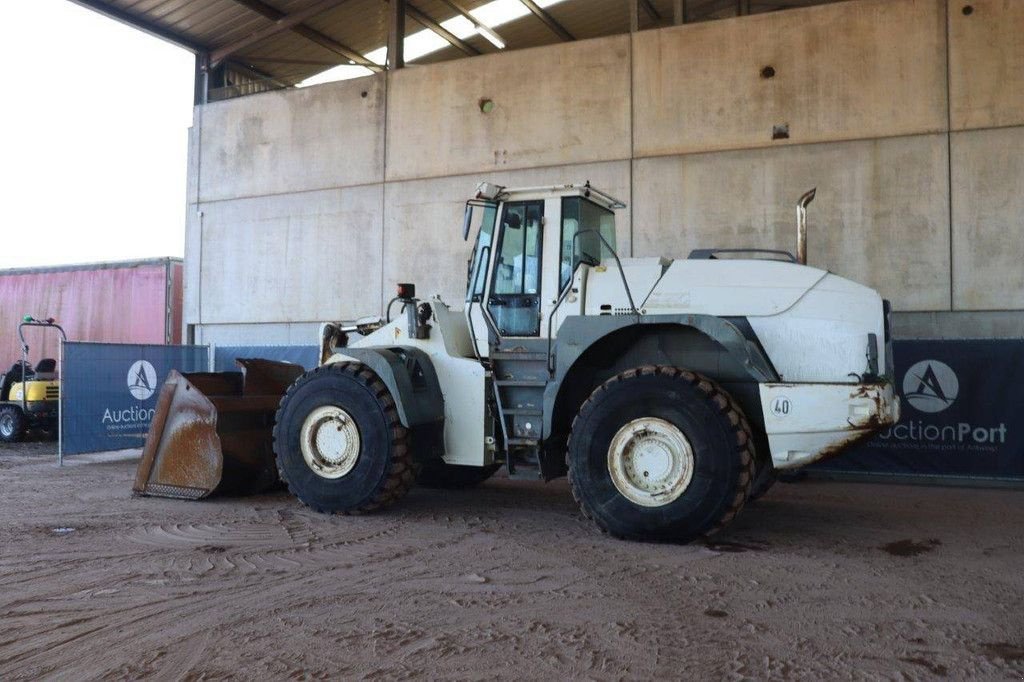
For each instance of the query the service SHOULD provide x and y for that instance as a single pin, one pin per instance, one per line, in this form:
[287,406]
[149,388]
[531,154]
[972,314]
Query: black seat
[13,376]
[46,366]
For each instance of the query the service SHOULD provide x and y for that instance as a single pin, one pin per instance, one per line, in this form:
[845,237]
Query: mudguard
[410,377]
[578,333]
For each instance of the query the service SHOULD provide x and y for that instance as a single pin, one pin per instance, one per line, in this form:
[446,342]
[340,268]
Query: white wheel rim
[650,461]
[6,424]
[330,442]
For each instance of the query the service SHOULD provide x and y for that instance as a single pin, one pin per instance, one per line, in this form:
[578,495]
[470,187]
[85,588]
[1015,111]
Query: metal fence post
[60,403]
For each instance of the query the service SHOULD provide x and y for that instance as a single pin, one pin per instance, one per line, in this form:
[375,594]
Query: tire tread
[719,398]
[399,479]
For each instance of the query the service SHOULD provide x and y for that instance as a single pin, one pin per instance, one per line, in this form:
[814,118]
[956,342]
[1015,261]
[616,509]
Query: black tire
[718,433]
[12,424]
[383,471]
[437,474]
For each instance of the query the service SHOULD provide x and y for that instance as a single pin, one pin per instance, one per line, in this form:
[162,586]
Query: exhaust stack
[801,225]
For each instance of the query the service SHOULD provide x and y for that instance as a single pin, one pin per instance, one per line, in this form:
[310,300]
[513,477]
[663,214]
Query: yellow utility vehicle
[30,398]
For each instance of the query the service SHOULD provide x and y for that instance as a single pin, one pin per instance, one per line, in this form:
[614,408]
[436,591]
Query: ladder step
[520,382]
[522,441]
[525,412]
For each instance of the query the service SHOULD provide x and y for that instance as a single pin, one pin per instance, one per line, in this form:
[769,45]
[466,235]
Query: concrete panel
[845,71]
[192,282]
[302,139]
[880,217]
[1001,324]
[296,257]
[558,105]
[423,238]
[988,219]
[192,164]
[986,63]
[267,334]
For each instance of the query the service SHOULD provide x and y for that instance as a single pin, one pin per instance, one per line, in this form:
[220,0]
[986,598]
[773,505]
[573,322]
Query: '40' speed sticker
[781,406]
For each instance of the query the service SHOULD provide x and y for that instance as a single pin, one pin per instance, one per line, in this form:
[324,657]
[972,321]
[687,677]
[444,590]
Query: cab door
[514,295]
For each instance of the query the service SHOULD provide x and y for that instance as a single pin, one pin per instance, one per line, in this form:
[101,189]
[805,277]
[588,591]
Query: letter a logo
[930,386]
[141,379]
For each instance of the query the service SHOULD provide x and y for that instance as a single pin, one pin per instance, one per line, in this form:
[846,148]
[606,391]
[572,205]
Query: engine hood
[713,287]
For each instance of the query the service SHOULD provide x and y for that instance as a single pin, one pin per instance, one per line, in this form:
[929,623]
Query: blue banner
[961,414]
[109,391]
[224,356]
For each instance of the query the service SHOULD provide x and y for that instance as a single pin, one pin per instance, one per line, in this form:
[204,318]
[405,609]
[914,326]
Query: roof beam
[396,35]
[310,34]
[281,24]
[482,28]
[440,30]
[548,20]
[651,11]
[679,12]
[257,74]
[144,25]
[246,59]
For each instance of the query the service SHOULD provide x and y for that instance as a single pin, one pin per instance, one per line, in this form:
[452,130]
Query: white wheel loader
[669,391]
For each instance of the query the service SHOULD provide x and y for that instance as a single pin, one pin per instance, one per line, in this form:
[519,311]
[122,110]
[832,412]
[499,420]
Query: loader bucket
[212,432]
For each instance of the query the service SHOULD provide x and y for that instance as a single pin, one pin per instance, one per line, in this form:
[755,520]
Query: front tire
[660,454]
[12,424]
[339,444]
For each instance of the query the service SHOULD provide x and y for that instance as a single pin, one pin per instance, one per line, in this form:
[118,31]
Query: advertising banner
[962,404]
[109,391]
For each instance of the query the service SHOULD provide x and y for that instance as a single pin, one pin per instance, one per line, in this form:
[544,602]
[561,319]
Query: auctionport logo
[141,380]
[930,386]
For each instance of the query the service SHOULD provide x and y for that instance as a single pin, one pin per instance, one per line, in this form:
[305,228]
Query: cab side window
[582,215]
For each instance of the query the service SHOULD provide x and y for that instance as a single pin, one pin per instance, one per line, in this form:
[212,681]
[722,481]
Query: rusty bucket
[212,432]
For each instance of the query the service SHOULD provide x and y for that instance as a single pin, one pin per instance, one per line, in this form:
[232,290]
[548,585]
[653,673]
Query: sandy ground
[818,580]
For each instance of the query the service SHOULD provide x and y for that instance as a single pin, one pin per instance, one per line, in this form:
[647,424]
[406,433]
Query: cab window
[582,215]
[514,301]
[481,218]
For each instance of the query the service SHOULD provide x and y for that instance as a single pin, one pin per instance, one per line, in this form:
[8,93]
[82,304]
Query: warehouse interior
[906,114]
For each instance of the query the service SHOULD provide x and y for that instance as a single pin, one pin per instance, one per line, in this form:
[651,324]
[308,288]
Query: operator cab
[529,244]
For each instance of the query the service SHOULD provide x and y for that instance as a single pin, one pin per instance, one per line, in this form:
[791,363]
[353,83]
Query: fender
[578,333]
[410,377]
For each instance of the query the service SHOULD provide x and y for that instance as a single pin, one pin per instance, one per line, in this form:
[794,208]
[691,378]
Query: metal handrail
[568,287]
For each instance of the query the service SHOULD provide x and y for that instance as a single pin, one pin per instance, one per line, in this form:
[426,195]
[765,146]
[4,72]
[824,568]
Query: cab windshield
[480,217]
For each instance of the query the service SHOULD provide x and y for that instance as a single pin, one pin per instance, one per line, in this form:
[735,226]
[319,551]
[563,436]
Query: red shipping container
[121,302]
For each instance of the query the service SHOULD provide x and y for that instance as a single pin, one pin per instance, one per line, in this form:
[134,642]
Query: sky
[95,117]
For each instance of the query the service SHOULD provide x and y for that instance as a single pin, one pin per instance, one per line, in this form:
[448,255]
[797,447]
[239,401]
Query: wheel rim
[6,424]
[330,442]
[650,461]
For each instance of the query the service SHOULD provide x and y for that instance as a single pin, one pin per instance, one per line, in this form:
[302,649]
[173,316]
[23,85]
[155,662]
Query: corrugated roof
[318,42]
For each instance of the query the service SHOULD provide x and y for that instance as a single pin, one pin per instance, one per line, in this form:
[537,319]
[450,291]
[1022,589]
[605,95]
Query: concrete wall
[908,115]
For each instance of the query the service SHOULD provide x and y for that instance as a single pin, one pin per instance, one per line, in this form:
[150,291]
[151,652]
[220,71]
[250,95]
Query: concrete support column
[678,12]
[396,36]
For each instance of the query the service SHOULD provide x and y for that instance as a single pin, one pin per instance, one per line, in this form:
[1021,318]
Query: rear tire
[338,441]
[681,452]
[438,474]
[12,424]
